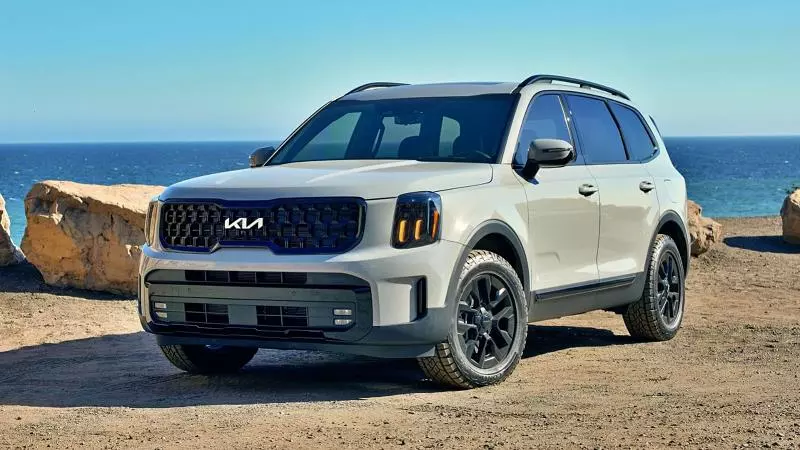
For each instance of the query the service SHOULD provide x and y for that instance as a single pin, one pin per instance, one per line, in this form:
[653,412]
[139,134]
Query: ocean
[728,176]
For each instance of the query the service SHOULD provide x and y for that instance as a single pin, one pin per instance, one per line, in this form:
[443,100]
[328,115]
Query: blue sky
[184,70]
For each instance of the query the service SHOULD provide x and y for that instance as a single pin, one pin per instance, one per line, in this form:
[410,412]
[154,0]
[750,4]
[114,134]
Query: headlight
[417,220]
[151,222]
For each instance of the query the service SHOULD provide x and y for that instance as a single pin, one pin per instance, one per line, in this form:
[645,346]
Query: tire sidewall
[516,291]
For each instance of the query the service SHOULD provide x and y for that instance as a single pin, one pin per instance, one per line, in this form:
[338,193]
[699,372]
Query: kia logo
[241,224]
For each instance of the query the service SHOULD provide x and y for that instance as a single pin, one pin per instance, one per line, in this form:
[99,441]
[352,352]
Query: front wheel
[488,334]
[206,359]
[658,314]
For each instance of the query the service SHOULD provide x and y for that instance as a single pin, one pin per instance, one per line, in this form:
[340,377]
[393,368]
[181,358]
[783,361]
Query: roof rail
[581,83]
[377,84]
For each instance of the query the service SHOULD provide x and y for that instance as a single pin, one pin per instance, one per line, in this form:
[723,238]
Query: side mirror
[260,157]
[547,153]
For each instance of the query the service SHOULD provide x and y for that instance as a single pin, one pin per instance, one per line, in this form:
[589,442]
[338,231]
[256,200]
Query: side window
[450,131]
[332,141]
[544,120]
[598,133]
[638,141]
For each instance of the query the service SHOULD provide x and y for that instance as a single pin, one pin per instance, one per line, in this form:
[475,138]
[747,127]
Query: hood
[368,179]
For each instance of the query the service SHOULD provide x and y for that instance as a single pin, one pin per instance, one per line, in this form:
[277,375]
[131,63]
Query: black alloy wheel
[486,321]
[669,289]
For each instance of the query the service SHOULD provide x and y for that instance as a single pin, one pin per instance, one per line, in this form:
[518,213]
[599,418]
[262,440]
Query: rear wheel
[488,334]
[205,359]
[658,314]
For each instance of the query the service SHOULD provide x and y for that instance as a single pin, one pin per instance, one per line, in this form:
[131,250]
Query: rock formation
[790,216]
[87,236]
[9,253]
[703,232]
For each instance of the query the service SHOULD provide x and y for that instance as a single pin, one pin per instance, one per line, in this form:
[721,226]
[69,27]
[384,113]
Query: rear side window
[597,131]
[544,120]
[638,141]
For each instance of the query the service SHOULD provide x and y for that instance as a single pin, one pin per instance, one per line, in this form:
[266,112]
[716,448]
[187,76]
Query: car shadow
[128,370]
[24,277]
[766,244]
[543,339]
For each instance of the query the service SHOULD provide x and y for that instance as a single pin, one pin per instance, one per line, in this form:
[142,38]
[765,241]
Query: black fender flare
[671,216]
[484,229]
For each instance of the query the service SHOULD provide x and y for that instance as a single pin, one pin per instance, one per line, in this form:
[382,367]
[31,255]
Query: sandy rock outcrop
[87,236]
[790,216]
[703,232]
[9,253]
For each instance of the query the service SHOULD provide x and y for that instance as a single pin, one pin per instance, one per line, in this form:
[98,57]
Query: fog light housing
[342,322]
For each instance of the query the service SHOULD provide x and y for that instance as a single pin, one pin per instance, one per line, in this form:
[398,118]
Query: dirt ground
[77,372]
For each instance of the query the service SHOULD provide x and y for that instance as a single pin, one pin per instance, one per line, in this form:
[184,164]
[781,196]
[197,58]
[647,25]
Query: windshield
[458,129]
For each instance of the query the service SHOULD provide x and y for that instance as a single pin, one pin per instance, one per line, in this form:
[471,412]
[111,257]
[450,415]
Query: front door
[563,211]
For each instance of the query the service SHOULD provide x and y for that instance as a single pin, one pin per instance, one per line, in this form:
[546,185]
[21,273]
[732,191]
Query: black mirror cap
[547,153]
[260,157]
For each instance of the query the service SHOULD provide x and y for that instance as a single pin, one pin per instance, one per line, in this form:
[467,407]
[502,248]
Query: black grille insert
[332,225]
[205,313]
[238,277]
[282,316]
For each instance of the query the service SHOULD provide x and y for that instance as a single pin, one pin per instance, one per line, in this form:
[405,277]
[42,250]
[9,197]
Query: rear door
[628,203]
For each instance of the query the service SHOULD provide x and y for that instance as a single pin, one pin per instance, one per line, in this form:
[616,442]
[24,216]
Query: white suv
[424,221]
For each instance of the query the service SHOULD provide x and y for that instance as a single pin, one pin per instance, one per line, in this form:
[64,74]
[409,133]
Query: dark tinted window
[639,143]
[544,120]
[462,129]
[598,133]
[331,142]
[388,142]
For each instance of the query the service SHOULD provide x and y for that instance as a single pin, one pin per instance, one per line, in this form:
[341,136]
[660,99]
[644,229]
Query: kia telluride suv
[423,221]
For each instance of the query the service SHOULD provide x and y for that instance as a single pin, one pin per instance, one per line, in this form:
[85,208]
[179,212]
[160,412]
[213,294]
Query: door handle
[587,189]
[646,186]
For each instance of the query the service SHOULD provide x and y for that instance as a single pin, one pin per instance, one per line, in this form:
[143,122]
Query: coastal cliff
[87,236]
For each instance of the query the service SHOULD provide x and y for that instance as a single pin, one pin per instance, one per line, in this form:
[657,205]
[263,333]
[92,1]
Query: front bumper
[398,298]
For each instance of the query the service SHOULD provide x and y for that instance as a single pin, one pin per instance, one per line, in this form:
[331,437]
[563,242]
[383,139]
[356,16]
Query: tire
[200,359]
[457,361]
[658,314]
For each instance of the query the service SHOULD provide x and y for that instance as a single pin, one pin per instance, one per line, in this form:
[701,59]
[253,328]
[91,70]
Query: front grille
[332,225]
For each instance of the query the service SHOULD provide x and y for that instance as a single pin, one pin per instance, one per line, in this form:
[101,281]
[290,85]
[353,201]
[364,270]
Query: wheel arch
[672,225]
[498,237]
